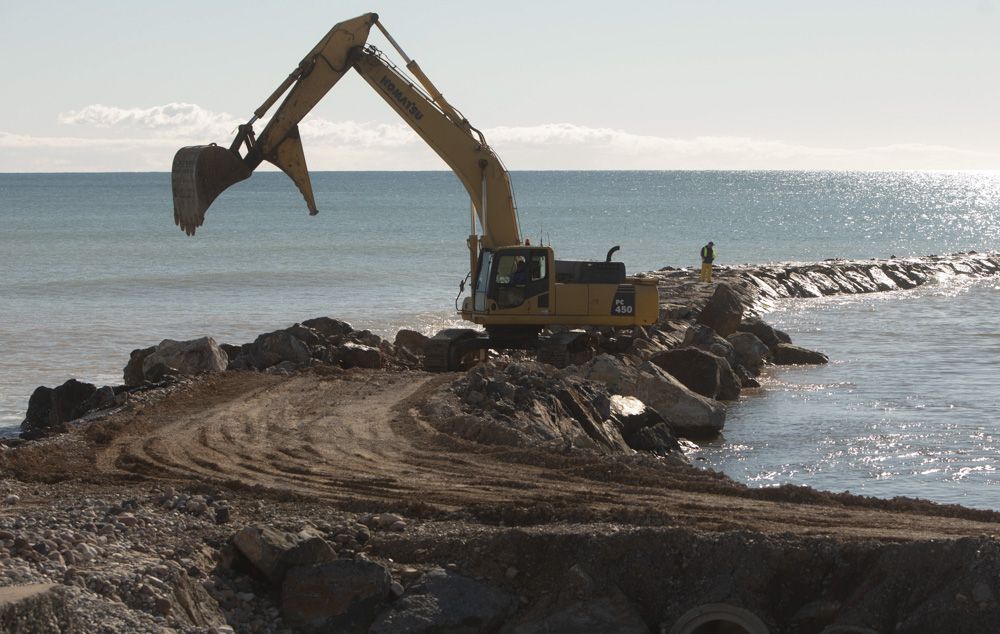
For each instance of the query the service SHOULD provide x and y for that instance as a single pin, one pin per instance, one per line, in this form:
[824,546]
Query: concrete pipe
[719,618]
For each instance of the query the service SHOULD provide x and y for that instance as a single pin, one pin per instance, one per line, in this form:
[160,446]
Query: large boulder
[446,602]
[411,341]
[723,311]
[700,371]
[276,347]
[272,552]
[751,352]
[339,596]
[133,375]
[687,412]
[788,354]
[690,415]
[328,327]
[185,358]
[704,338]
[49,408]
[356,355]
[767,333]
[644,429]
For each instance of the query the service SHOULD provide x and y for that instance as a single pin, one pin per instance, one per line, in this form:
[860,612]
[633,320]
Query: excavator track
[447,349]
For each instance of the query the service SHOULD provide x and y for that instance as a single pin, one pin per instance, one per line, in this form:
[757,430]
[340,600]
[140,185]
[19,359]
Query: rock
[700,371]
[133,375]
[411,341]
[49,408]
[764,331]
[306,335]
[328,327]
[275,347]
[723,311]
[643,428]
[690,415]
[340,596]
[356,355]
[102,398]
[264,546]
[580,605]
[185,357]
[446,602]
[788,354]
[704,338]
[750,351]
[579,407]
[274,552]
[40,607]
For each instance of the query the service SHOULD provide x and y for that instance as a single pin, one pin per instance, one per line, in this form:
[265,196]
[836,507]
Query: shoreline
[162,513]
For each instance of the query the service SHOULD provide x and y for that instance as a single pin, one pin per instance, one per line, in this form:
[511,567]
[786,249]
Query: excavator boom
[200,173]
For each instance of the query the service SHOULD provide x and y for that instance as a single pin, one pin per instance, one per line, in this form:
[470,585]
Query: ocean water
[909,404]
[93,267]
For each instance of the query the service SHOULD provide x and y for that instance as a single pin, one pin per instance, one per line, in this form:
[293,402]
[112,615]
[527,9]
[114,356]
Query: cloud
[173,120]
[123,139]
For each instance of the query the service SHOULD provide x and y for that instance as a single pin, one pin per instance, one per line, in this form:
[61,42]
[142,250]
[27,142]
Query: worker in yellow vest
[707,257]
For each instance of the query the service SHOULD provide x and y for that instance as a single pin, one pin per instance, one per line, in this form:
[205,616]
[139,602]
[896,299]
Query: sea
[92,267]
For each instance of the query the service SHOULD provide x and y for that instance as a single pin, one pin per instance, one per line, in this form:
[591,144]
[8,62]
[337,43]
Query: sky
[120,85]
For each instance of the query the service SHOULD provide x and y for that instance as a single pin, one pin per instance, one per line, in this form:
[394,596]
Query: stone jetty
[316,480]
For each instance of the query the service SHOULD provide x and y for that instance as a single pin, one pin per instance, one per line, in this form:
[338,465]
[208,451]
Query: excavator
[518,289]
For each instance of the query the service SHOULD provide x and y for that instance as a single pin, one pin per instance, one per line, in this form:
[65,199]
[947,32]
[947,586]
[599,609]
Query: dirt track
[357,439]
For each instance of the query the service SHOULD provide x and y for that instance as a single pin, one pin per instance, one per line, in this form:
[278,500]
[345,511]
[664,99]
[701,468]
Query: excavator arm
[451,136]
[201,173]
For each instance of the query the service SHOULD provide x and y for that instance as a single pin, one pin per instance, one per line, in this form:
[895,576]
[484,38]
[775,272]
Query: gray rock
[187,357]
[264,547]
[356,355]
[690,415]
[49,408]
[723,311]
[751,352]
[102,398]
[788,354]
[133,375]
[764,331]
[275,347]
[700,371]
[340,596]
[580,605]
[446,602]
[411,341]
[306,335]
[704,338]
[328,327]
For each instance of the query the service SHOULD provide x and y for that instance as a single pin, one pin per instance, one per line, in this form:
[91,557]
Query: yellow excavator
[517,289]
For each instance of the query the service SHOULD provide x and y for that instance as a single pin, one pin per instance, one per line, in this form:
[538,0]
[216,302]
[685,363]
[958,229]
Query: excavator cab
[513,278]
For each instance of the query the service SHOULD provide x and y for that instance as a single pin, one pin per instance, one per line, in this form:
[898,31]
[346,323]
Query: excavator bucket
[200,173]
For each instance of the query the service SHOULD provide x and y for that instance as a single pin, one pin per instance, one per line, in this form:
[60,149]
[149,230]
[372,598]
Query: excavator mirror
[199,174]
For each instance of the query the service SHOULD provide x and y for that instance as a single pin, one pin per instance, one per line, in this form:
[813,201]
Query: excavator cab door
[511,276]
